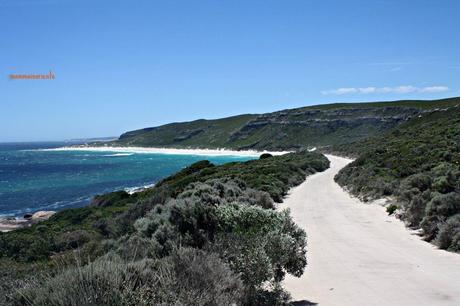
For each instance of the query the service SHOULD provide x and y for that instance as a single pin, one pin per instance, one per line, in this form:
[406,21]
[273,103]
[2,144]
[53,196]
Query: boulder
[42,215]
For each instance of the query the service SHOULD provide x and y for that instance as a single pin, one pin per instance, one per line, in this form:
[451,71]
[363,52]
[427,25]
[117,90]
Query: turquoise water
[33,179]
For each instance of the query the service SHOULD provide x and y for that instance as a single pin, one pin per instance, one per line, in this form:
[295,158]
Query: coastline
[170,151]
[8,224]
[11,222]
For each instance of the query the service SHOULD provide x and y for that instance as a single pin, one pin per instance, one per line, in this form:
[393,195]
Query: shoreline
[8,224]
[171,151]
[13,222]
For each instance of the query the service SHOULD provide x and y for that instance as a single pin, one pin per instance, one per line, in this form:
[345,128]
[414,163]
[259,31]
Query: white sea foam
[132,190]
[141,150]
[118,154]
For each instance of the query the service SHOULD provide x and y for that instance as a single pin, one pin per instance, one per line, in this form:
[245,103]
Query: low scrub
[187,277]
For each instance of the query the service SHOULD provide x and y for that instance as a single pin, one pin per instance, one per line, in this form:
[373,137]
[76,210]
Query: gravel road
[357,255]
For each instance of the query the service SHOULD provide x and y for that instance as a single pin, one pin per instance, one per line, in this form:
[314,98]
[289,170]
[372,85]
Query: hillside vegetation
[208,235]
[419,165]
[292,129]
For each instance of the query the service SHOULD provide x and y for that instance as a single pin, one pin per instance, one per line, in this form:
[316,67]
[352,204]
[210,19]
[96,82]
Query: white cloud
[404,89]
[434,89]
[340,91]
[366,90]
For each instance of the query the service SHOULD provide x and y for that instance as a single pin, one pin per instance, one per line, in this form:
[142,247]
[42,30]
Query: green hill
[290,129]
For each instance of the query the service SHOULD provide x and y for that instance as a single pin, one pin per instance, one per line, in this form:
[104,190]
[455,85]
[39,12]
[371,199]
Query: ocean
[33,178]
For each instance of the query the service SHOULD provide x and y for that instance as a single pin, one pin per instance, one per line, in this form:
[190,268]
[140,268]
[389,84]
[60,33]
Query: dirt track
[357,255]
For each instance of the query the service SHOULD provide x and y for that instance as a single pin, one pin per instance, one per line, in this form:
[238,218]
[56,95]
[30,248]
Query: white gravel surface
[358,255]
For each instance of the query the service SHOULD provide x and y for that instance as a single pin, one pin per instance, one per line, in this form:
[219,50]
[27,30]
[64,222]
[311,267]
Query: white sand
[358,255]
[203,152]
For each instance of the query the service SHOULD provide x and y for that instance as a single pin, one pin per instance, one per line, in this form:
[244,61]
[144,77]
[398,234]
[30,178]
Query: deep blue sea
[32,179]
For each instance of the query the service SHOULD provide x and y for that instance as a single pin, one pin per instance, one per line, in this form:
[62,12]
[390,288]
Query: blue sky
[122,65]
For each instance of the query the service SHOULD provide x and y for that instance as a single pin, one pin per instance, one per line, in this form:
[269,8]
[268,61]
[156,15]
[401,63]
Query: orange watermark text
[49,76]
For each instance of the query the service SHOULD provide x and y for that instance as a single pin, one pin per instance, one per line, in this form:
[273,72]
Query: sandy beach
[203,152]
[358,255]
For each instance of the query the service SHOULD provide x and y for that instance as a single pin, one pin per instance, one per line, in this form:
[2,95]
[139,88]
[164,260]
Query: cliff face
[293,129]
[314,126]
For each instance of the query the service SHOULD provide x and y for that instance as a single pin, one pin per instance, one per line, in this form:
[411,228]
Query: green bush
[391,209]
[265,155]
[261,245]
[204,279]
[273,175]
[110,198]
[187,277]
[72,239]
[415,210]
[449,234]
[421,181]
[437,211]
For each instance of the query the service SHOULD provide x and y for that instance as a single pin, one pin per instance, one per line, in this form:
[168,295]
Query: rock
[10,223]
[42,215]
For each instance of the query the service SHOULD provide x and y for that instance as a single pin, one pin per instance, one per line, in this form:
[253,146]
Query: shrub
[223,191]
[72,239]
[260,244]
[421,181]
[415,211]
[444,205]
[448,237]
[24,245]
[275,297]
[265,155]
[188,277]
[437,211]
[204,279]
[100,283]
[391,209]
[102,226]
[135,247]
[260,198]
[110,199]
[441,184]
